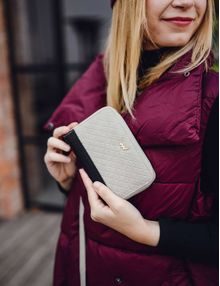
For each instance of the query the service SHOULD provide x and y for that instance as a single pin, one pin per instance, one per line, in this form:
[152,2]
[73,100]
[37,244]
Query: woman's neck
[150,58]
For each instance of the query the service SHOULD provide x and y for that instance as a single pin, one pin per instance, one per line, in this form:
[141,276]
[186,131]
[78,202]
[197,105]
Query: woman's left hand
[118,213]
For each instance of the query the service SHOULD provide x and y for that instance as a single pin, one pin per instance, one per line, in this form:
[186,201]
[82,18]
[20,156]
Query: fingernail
[67,148]
[97,184]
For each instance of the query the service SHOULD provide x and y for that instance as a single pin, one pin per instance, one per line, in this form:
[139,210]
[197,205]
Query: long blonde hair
[124,45]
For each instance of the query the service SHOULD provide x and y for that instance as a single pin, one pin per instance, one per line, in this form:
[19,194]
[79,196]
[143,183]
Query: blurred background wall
[45,45]
[11,201]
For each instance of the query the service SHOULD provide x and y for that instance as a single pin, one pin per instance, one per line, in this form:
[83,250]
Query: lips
[180,21]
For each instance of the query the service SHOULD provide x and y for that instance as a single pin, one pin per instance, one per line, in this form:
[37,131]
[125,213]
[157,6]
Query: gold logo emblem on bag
[123,147]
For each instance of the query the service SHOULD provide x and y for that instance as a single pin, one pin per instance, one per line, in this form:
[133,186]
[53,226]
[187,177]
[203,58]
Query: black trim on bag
[82,155]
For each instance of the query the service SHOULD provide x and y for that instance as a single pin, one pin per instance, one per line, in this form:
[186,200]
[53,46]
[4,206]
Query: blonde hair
[123,50]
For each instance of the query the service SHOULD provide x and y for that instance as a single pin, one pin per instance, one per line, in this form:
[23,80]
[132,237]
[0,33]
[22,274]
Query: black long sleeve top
[198,241]
[195,241]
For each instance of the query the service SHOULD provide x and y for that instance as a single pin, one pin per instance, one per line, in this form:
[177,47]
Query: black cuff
[167,241]
[62,190]
[195,241]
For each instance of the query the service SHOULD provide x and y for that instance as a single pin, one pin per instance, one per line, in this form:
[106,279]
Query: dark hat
[113,2]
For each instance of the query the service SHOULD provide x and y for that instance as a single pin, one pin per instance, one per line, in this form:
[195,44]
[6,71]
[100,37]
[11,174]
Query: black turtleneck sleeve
[198,241]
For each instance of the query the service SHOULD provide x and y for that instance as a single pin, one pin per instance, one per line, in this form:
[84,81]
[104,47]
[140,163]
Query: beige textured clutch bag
[109,153]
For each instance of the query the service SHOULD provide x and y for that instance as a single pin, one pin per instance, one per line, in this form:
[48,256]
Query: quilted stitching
[125,172]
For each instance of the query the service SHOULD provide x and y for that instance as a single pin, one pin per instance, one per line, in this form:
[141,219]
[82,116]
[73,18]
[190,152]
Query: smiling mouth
[179,21]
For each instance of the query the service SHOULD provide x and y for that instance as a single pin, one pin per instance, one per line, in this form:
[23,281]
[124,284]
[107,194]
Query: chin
[178,41]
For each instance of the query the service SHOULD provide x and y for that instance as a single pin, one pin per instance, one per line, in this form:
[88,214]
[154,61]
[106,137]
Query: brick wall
[11,203]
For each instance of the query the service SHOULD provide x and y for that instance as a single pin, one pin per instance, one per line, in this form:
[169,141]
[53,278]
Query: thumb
[107,195]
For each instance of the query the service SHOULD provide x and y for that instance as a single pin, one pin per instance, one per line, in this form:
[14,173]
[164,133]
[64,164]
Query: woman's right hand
[61,167]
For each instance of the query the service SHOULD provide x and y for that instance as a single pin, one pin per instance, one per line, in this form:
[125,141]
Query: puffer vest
[171,119]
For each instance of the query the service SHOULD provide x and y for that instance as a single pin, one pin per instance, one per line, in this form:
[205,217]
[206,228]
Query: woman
[156,73]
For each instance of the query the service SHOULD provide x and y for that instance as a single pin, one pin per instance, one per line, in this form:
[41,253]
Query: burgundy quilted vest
[171,118]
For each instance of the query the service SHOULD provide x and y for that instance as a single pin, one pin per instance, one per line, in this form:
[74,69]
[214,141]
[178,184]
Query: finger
[86,180]
[88,184]
[55,157]
[53,142]
[107,195]
[72,155]
[92,195]
[60,131]
[72,125]
[99,210]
